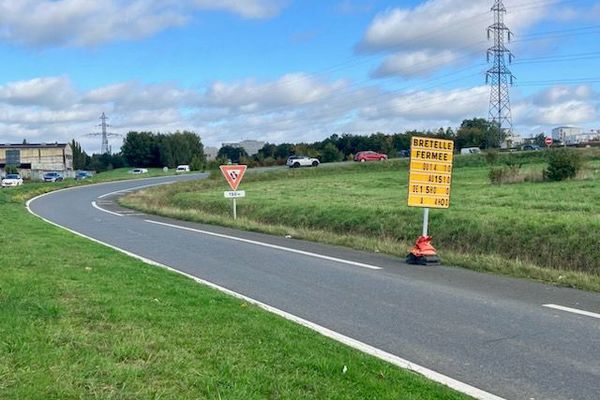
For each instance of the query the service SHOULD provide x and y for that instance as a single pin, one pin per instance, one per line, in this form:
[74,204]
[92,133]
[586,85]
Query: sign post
[429,184]
[234,174]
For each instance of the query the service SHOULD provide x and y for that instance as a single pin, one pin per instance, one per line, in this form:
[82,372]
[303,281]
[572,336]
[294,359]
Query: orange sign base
[423,253]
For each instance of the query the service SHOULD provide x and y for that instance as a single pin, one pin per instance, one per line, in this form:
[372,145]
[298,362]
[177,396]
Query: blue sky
[286,70]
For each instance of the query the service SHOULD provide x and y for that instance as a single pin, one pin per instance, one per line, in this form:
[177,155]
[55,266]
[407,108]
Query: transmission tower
[499,76]
[104,148]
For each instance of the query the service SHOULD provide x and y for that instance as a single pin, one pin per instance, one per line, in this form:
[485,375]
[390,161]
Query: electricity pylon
[499,76]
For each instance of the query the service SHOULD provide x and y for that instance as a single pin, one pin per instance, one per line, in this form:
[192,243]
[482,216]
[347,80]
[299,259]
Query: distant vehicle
[11,180]
[528,147]
[52,177]
[182,168]
[404,153]
[302,161]
[470,150]
[81,175]
[138,171]
[363,156]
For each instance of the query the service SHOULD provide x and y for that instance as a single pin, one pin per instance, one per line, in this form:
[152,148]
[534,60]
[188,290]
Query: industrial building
[250,146]
[33,160]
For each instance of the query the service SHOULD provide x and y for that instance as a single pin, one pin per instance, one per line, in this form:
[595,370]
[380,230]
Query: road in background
[490,332]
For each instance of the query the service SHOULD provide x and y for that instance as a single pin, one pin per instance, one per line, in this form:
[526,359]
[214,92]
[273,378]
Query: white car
[11,180]
[182,168]
[137,171]
[302,161]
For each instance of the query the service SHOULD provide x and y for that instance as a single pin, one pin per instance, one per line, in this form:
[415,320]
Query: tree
[233,154]
[140,149]
[479,132]
[331,153]
[179,148]
[80,157]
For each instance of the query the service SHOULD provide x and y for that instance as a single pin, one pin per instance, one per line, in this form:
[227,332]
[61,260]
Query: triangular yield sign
[233,174]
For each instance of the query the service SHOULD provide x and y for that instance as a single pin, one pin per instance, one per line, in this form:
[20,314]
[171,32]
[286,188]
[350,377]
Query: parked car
[531,147]
[363,156]
[81,175]
[302,161]
[470,150]
[138,171]
[403,153]
[53,177]
[11,180]
[182,168]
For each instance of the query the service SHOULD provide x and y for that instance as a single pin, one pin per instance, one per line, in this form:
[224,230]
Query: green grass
[542,230]
[79,321]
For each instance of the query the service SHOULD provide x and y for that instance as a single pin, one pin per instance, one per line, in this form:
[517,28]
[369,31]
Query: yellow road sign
[430,172]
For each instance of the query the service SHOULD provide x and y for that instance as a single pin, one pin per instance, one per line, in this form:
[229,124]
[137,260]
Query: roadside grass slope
[78,320]
[542,230]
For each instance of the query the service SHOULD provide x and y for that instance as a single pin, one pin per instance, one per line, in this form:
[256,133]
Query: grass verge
[78,320]
[546,231]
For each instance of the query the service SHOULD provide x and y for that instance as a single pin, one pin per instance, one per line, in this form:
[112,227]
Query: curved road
[509,338]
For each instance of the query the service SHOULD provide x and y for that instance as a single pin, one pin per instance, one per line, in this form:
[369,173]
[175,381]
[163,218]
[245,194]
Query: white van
[470,150]
[182,168]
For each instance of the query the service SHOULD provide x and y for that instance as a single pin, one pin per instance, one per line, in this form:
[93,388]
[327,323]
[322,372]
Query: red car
[363,156]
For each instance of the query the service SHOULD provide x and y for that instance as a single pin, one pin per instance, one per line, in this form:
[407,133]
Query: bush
[563,164]
[506,174]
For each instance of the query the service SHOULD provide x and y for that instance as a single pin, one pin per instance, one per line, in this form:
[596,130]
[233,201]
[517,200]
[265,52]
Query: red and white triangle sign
[233,174]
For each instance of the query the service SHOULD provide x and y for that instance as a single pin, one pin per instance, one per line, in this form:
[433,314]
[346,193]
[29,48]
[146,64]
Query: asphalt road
[496,334]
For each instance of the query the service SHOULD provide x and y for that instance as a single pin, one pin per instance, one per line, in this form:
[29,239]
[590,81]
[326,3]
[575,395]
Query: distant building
[211,153]
[250,146]
[33,160]
[566,134]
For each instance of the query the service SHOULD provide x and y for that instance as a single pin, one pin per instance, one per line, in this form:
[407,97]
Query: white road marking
[135,188]
[573,310]
[365,348]
[106,211]
[271,246]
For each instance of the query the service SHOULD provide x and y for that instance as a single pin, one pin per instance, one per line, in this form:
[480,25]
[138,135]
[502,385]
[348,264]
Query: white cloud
[50,92]
[435,28]
[294,108]
[414,63]
[90,22]
[250,96]
[245,8]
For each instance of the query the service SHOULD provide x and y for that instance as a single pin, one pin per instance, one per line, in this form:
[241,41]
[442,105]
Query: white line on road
[573,310]
[134,189]
[271,246]
[103,210]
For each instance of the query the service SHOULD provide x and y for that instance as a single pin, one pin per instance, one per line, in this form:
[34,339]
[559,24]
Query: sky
[286,70]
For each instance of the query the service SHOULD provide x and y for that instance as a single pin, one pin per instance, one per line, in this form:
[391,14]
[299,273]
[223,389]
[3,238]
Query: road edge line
[348,341]
[268,245]
[572,310]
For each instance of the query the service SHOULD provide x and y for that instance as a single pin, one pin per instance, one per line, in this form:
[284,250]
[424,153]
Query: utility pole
[499,76]
[104,148]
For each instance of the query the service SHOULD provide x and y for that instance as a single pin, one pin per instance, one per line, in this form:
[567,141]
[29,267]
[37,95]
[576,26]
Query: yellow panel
[423,189]
[433,179]
[431,167]
[431,144]
[428,202]
[440,156]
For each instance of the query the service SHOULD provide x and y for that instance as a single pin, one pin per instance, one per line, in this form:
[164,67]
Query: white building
[211,153]
[250,146]
[566,134]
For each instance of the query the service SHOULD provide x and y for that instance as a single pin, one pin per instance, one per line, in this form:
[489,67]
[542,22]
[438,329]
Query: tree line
[146,150]
[157,150]
[476,132]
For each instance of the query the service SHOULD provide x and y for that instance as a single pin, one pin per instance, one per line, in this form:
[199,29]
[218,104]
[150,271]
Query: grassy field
[542,230]
[80,321]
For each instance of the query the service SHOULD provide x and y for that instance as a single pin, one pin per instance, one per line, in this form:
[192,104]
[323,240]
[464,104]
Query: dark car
[53,177]
[81,175]
[363,156]
[531,147]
